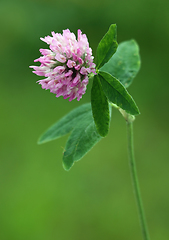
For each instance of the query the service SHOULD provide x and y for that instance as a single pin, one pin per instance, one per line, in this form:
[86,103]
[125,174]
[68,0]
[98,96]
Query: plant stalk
[135,179]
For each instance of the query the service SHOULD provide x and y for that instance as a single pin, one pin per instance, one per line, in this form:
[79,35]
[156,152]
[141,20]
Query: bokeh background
[94,200]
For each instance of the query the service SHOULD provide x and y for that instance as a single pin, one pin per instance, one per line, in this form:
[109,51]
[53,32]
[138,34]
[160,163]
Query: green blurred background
[94,200]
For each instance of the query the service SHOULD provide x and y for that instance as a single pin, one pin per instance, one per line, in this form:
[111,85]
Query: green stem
[135,179]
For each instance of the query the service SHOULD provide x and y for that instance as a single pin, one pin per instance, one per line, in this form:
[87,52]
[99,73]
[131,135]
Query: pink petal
[60,58]
[71,64]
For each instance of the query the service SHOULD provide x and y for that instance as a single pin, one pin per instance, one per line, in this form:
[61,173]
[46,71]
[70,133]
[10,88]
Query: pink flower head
[66,65]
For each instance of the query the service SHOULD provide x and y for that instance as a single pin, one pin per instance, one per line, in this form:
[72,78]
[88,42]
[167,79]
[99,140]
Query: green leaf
[65,124]
[117,94]
[100,107]
[125,63]
[82,139]
[83,135]
[107,46]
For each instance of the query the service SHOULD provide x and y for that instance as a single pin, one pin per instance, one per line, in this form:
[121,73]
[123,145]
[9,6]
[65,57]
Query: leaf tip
[40,141]
[114,26]
[66,166]
[102,133]
[136,112]
[67,161]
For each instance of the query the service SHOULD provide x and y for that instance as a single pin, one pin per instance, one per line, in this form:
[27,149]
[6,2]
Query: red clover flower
[66,65]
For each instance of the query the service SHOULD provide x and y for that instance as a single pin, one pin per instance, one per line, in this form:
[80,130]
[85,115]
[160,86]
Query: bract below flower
[66,65]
